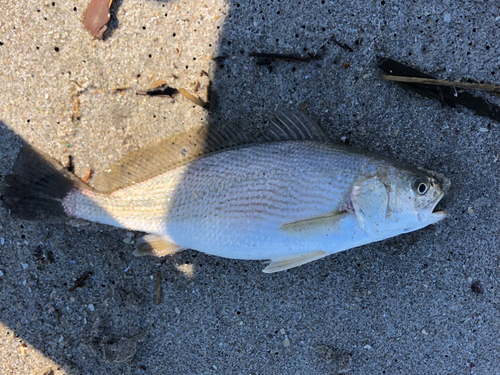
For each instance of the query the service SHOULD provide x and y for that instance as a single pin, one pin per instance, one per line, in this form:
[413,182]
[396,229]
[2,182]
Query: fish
[287,194]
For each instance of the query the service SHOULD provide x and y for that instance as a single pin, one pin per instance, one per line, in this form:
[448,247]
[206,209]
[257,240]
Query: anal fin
[285,263]
[155,245]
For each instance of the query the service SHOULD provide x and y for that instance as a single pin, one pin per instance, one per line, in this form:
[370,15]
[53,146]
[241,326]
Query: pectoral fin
[284,263]
[154,245]
[369,199]
[315,225]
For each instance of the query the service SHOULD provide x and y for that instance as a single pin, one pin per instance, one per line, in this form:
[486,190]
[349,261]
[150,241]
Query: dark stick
[80,281]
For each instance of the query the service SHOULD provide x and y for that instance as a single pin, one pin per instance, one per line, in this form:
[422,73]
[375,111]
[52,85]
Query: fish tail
[37,186]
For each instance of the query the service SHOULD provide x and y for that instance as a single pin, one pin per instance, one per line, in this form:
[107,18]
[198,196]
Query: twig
[282,56]
[287,57]
[438,82]
[342,45]
[80,281]
[158,287]
[87,175]
[334,40]
[192,98]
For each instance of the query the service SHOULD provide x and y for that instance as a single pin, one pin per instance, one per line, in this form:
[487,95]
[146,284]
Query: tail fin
[37,186]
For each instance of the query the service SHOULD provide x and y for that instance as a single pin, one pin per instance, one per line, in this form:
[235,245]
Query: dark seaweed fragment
[442,93]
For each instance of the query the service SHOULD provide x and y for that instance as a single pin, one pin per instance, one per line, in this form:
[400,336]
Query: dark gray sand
[421,303]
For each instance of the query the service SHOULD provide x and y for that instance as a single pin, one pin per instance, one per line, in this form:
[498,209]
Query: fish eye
[421,185]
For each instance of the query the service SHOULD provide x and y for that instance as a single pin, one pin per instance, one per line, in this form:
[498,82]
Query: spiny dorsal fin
[293,126]
[184,147]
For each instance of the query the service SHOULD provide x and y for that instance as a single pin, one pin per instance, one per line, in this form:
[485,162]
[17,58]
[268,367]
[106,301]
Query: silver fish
[290,196]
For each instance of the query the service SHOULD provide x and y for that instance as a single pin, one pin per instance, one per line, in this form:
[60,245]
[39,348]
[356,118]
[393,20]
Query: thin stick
[193,98]
[430,81]
[158,287]
[80,281]
[281,56]
[87,175]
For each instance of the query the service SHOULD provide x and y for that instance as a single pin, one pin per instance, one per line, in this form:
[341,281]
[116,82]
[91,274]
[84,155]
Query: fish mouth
[427,214]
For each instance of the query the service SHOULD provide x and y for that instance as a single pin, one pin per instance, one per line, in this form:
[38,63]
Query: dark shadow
[114,22]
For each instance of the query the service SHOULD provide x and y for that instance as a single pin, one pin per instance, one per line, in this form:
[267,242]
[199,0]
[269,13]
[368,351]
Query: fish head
[413,196]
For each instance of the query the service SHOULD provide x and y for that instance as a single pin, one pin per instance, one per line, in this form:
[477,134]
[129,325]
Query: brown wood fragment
[192,98]
[196,86]
[96,17]
[158,288]
[208,91]
[439,82]
[76,107]
[87,175]
[158,83]
[120,89]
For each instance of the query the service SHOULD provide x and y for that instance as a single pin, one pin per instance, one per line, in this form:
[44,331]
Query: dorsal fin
[184,147]
[293,126]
